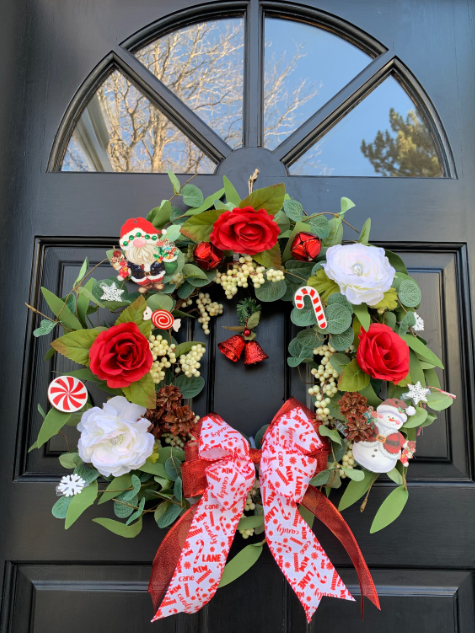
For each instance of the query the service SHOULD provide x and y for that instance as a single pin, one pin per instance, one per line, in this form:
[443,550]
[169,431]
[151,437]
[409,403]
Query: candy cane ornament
[308,291]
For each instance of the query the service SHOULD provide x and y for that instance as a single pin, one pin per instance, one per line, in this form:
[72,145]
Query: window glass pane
[121,131]
[384,135]
[203,66]
[304,67]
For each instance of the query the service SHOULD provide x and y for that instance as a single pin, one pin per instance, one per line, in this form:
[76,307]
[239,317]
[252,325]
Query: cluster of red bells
[233,347]
[305,247]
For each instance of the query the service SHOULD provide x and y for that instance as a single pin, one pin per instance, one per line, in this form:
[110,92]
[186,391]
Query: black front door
[368,100]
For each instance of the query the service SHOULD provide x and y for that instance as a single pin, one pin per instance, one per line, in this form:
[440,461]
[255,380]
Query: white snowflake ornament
[419,326]
[111,293]
[71,485]
[417,393]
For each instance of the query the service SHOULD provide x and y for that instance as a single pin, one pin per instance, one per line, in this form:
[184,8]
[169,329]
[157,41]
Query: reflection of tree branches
[407,151]
[203,66]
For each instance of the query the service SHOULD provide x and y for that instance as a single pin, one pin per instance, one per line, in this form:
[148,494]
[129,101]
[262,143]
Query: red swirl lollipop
[67,394]
[162,319]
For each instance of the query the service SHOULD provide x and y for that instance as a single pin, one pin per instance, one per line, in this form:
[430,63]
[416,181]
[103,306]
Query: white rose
[363,273]
[115,439]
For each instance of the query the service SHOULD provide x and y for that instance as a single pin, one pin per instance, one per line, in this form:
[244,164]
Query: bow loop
[220,441]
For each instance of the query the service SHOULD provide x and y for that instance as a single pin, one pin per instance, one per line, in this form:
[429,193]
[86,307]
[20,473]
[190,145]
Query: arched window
[319,96]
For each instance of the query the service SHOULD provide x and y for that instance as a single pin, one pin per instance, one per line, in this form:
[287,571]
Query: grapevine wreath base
[374,389]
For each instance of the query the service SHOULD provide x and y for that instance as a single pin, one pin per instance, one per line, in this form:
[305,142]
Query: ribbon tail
[298,553]
[325,511]
[167,556]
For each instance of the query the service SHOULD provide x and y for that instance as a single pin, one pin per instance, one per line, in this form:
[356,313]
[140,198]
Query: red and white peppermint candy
[162,319]
[67,394]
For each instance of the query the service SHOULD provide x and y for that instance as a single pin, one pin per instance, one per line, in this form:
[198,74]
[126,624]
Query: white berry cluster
[177,279]
[163,354]
[239,274]
[275,275]
[348,461]
[326,386]
[250,505]
[177,440]
[190,363]
[207,309]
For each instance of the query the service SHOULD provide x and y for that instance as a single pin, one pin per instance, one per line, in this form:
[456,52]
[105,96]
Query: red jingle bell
[207,256]
[253,353]
[232,347]
[306,247]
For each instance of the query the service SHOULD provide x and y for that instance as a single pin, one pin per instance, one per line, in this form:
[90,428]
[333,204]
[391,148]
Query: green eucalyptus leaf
[241,563]
[338,318]
[169,516]
[390,509]
[355,490]
[353,473]
[293,210]
[80,503]
[353,378]
[60,508]
[342,341]
[319,226]
[127,531]
[339,362]
[44,328]
[190,387]
[438,401]
[333,434]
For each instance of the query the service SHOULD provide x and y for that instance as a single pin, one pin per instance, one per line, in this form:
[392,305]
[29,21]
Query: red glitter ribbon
[195,483]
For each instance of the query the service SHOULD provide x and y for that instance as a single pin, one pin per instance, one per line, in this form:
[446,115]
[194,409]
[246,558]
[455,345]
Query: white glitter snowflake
[417,393]
[419,326]
[111,293]
[71,485]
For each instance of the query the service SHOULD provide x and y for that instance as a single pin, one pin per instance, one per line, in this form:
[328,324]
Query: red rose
[245,231]
[120,355]
[382,353]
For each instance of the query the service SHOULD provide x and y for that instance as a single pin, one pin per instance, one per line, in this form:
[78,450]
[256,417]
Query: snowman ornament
[382,450]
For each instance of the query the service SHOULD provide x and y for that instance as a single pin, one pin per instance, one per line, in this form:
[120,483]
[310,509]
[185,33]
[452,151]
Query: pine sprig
[245,308]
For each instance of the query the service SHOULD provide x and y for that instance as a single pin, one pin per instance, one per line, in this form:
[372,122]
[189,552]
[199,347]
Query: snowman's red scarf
[194,484]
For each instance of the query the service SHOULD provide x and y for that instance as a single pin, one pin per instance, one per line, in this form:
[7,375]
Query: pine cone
[358,430]
[353,405]
[179,421]
[168,397]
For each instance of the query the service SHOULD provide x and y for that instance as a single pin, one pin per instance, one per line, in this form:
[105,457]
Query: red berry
[247,332]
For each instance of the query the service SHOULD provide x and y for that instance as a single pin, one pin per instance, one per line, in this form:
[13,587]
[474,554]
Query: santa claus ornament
[144,254]
[383,446]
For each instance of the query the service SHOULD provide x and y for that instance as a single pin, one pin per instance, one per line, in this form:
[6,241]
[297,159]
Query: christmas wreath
[374,389]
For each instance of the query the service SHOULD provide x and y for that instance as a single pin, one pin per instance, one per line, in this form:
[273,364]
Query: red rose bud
[207,256]
[306,247]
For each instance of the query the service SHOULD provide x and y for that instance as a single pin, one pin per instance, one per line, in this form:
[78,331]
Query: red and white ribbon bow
[220,465]
[285,471]
[229,478]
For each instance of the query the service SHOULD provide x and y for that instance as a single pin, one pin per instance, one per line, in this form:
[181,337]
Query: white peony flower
[115,439]
[363,273]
